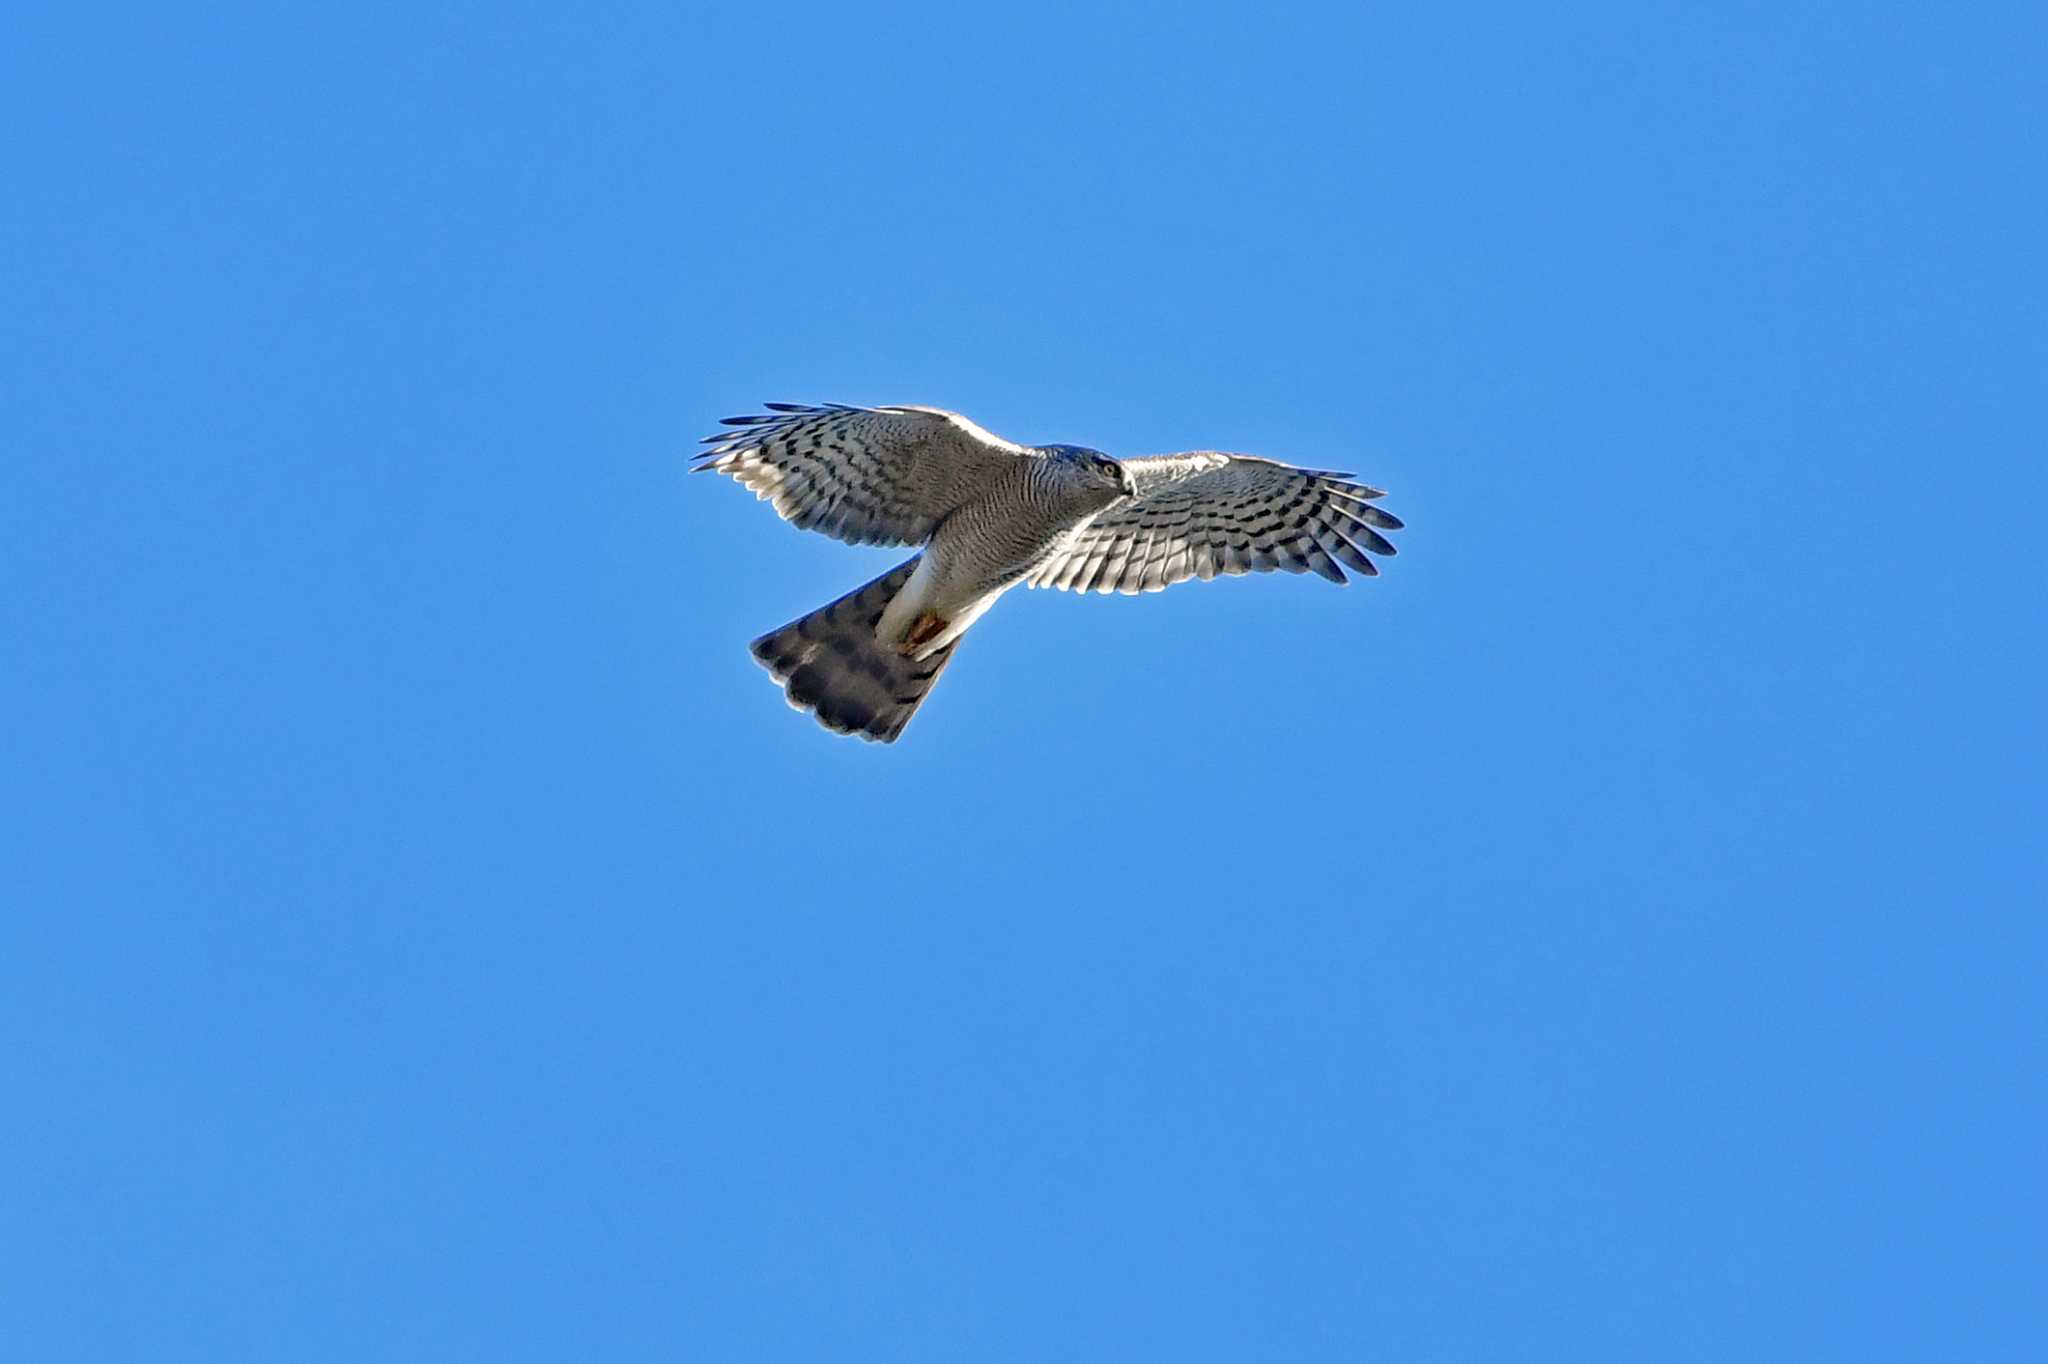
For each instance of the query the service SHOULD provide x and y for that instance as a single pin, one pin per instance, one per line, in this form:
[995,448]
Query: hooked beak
[1130,484]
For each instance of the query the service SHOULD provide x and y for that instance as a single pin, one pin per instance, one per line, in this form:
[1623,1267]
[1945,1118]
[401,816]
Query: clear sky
[1616,933]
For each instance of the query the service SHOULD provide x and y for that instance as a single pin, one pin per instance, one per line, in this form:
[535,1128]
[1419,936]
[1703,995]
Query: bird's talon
[923,631]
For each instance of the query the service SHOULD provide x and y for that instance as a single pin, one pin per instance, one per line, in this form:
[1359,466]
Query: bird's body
[990,514]
[991,542]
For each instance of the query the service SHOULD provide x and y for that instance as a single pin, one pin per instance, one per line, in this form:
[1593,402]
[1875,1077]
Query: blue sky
[1613,934]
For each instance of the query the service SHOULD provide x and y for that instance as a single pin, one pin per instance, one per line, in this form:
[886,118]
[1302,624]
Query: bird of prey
[989,514]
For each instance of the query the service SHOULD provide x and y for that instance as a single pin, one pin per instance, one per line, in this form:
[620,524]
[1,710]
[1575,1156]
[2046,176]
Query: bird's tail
[831,664]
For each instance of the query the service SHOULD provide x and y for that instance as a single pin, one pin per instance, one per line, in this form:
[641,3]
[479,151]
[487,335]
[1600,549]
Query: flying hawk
[989,514]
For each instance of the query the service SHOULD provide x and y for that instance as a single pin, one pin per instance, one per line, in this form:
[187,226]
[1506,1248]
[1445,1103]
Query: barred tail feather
[831,664]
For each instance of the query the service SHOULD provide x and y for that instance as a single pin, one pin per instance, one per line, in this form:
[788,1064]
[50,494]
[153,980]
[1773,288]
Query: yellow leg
[923,631]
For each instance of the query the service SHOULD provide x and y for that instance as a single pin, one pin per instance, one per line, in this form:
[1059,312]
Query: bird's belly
[978,556]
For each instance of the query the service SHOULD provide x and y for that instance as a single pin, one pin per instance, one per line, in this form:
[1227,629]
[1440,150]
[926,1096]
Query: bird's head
[1098,468]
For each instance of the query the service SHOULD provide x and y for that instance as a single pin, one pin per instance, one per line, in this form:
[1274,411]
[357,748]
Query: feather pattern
[987,514]
[1207,513]
[865,475]
[830,663]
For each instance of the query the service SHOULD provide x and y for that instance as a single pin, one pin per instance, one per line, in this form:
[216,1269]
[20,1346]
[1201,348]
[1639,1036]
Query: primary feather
[865,475]
[1203,513]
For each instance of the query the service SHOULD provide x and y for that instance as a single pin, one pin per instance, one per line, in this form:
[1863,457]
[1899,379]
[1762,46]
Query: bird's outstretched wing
[1200,514]
[866,475]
